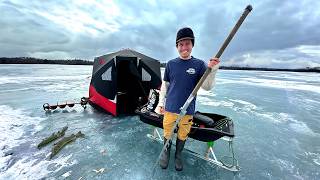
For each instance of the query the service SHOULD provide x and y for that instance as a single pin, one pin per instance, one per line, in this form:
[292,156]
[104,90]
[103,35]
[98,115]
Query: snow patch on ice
[314,156]
[67,174]
[31,169]
[211,102]
[295,125]
[203,92]
[317,160]
[13,122]
[302,128]
[14,90]
[7,80]
[27,80]
[247,105]
[281,84]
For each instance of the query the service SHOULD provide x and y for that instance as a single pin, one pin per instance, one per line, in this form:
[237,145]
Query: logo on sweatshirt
[191,71]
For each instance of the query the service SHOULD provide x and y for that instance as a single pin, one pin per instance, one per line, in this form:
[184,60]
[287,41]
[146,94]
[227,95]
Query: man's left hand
[213,62]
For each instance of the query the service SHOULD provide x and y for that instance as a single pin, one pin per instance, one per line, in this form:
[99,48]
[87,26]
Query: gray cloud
[302,56]
[77,29]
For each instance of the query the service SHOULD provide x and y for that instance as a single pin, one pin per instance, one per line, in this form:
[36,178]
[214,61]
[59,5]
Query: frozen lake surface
[276,116]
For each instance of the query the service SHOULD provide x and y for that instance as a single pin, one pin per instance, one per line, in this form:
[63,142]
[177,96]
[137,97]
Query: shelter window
[106,76]
[145,75]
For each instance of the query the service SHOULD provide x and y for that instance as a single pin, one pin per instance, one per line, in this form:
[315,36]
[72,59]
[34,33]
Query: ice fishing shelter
[121,81]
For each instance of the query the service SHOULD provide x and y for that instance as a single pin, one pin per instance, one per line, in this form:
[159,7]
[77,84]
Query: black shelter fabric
[150,62]
[105,88]
[126,77]
[129,85]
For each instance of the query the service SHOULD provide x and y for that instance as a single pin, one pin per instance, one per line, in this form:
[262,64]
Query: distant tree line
[307,69]
[31,60]
[163,64]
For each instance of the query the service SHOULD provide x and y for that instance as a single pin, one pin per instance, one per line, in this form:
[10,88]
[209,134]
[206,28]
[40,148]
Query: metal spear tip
[249,8]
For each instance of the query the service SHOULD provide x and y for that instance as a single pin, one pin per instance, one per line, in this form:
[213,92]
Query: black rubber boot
[164,160]
[178,155]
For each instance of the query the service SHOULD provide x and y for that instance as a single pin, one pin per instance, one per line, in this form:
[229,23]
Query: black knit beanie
[185,33]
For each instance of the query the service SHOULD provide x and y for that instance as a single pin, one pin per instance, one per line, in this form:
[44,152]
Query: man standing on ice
[180,78]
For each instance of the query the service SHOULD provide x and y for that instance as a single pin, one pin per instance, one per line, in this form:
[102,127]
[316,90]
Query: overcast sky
[277,33]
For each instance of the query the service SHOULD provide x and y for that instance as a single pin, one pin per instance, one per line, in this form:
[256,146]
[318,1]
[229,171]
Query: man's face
[184,48]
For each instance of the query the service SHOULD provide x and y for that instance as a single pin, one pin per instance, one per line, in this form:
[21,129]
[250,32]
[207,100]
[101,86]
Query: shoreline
[28,60]
[271,69]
